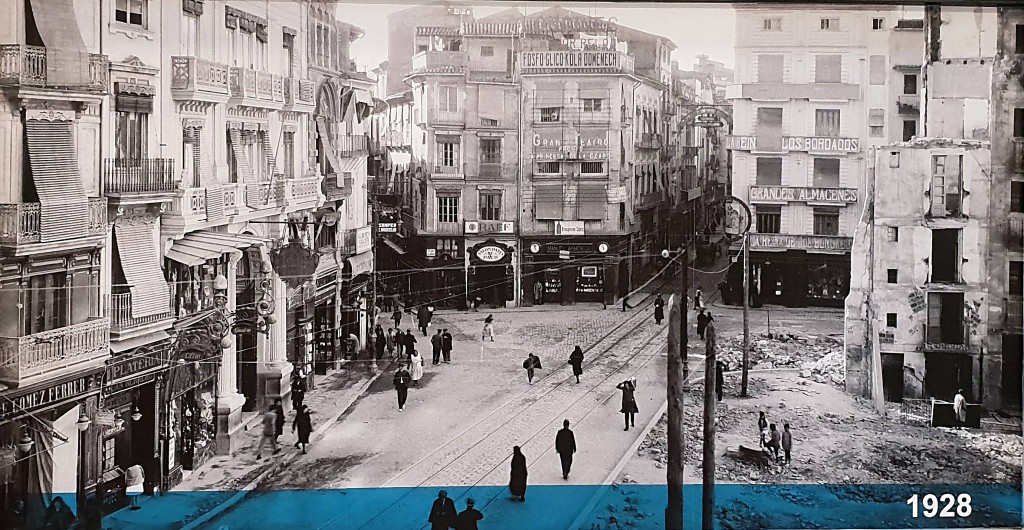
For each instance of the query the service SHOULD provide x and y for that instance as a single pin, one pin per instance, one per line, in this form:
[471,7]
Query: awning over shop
[140,262]
[197,247]
[394,246]
[53,159]
[361,263]
[67,60]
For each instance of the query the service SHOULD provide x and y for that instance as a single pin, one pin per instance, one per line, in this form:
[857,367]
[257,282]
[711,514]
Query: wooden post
[746,313]
[710,376]
[676,380]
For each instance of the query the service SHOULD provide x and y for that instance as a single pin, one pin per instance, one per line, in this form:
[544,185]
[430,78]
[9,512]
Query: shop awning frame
[197,247]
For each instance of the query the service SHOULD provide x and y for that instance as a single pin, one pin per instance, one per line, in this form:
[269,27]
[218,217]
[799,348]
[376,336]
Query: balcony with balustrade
[352,145]
[496,171]
[142,181]
[648,141]
[25,66]
[195,79]
[298,95]
[50,355]
[439,62]
[449,172]
[21,228]
[265,195]
[254,88]
[123,325]
[302,193]
[188,208]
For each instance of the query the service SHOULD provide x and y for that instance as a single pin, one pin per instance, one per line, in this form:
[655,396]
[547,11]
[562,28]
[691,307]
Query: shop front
[48,446]
[570,271]
[797,275]
[325,311]
[355,288]
[299,338]
[128,418]
[490,272]
[189,424]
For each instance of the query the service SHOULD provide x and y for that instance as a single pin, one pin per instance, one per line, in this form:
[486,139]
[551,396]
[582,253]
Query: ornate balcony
[648,141]
[139,181]
[25,66]
[50,354]
[187,207]
[298,95]
[302,193]
[253,88]
[456,172]
[122,323]
[439,62]
[20,224]
[265,195]
[194,79]
[234,197]
[352,145]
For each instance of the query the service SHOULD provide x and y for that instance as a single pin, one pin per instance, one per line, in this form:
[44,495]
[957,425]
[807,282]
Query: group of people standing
[273,427]
[411,371]
[773,440]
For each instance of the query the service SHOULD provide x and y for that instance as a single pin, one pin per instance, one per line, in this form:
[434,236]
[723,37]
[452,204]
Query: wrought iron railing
[150,175]
[49,351]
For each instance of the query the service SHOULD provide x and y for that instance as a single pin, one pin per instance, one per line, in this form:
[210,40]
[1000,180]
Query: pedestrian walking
[379,343]
[401,382]
[399,343]
[442,513]
[278,409]
[708,322]
[625,303]
[298,389]
[960,408]
[702,323]
[698,301]
[531,363]
[517,478]
[423,318]
[762,425]
[446,345]
[565,446]
[576,361]
[538,293]
[629,408]
[389,342]
[410,342]
[659,310]
[488,328]
[269,427]
[775,442]
[435,346]
[787,441]
[303,425]
[397,317]
[416,367]
[719,379]
[468,518]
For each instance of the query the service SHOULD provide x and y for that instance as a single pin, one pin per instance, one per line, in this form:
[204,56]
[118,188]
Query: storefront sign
[569,228]
[17,405]
[387,228]
[942,347]
[740,143]
[134,363]
[490,227]
[295,263]
[788,194]
[568,60]
[828,144]
[364,239]
[431,252]
[800,242]
[916,299]
[572,248]
[490,253]
[707,117]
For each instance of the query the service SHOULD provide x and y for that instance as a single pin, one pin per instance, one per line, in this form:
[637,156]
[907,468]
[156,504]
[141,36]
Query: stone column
[274,368]
[229,400]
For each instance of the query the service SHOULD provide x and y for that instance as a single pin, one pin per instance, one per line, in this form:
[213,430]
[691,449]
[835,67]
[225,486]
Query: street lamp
[83,422]
[25,443]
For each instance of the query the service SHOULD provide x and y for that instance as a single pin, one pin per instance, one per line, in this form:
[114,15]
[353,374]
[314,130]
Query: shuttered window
[140,263]
[826,172]
[826,122]
[131,130]
[592,201]
[53,161]
[548,201]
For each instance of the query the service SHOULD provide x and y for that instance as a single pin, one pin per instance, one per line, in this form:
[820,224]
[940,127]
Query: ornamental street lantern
[295,263]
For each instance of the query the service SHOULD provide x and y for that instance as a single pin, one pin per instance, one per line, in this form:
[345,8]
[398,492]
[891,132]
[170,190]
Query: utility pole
[746,312]
[677,373]
[710,376]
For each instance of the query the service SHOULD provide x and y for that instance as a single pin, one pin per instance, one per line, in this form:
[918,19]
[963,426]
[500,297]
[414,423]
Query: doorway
[892,377]
[945,373]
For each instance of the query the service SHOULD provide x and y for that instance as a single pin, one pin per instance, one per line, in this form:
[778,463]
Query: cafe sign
[490,227]
[54,395]
[800,242]
[791,194]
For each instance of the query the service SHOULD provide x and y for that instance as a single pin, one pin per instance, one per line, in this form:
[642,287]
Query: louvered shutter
[214,191]
[547,200]
[241,159]
[53,159]
[140,262]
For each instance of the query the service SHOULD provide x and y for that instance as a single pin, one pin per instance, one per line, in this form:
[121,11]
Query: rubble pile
[775,351]
[828,369]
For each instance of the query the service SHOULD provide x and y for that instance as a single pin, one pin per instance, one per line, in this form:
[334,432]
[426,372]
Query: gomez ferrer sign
[817,144]
[822,195]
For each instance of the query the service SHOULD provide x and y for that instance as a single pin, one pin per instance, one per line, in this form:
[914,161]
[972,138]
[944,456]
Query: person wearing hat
[467,518]
[298,389]
[443,512]
[629,409]
[565,446]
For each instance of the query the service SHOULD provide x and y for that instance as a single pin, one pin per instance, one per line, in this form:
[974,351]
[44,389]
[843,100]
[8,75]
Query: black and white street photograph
[493,265]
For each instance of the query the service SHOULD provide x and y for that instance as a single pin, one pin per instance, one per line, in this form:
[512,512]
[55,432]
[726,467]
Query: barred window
[826,122]
[550,114]
[548,168]
[592,168]
[826,221]
[769,219]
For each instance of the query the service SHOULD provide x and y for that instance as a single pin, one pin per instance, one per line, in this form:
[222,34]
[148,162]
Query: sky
[694,28]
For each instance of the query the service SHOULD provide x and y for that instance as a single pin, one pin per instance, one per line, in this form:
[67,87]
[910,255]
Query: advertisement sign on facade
[568,60]
[569,228]
[791,194]
[823,144]
[490,227]
[364,239]
[490,253]
[800,242]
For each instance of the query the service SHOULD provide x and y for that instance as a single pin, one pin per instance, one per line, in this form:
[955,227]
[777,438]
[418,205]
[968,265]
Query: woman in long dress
[416,366]
[517,478]
[576,360]
[304,425]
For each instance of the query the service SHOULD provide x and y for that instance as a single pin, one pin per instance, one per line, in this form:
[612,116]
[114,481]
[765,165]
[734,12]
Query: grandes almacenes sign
[816,144]
[793,194]
[800,242]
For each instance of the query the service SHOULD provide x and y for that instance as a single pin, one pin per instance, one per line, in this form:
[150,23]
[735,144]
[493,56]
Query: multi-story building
[720,76]
[798,147]
[933,264]
[542,138]
[159,222]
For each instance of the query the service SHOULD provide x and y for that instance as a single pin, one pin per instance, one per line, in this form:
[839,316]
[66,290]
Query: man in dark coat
[659,310]
[435,344]
[304,425]
[423,317]
[719,378]
[576,361]
[565,446]
[702,322]
[278,409]
[401,382]
[517,478]
[443,512]
[410,342]
[446,345]
[298,389]
[399,342]
[468,518]
[629,408]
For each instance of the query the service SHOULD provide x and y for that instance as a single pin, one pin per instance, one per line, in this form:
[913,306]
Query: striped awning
[197,247]
[435,31]
[53,159]
[361,263]
[67,59]
[140,261]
